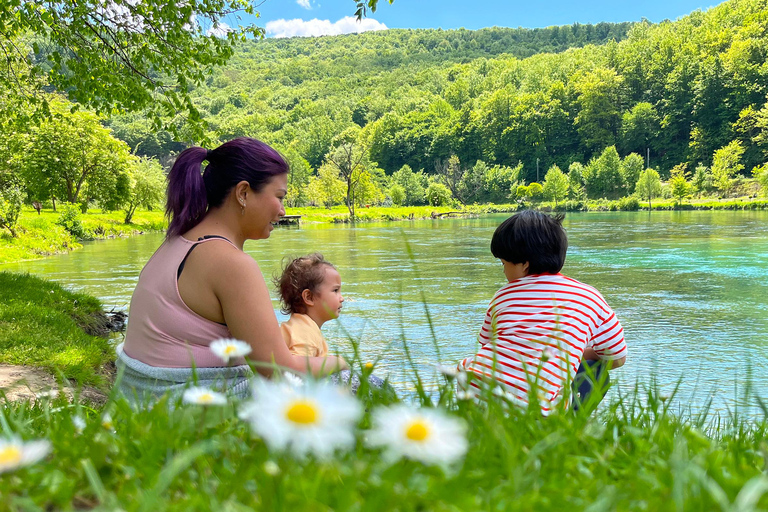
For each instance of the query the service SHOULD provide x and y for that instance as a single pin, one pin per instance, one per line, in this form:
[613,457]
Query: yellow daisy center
[205,398]
[229,349]
[369,365]
[302,412]
[10,455]
[417,431]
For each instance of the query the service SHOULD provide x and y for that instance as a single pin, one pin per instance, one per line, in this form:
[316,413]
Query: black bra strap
[184,261]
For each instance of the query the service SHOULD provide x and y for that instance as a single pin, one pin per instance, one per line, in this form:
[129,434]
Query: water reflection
[689,288]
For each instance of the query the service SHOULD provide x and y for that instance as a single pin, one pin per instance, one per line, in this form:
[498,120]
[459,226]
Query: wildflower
[271,468]
[548,354]
[292,379]
[448,371]
[226,349]
[369,366]
[426,435]
[314,418]
[203,396]
[107,423]
[79,424]
[15,453]
[465,395]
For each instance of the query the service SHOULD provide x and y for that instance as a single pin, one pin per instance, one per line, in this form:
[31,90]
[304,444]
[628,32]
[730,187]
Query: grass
[632,454]
[44,325]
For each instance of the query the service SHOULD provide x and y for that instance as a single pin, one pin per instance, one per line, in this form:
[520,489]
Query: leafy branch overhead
[362,7]
[119,55]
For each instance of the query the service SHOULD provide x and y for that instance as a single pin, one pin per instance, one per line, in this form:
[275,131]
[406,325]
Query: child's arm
[591,355]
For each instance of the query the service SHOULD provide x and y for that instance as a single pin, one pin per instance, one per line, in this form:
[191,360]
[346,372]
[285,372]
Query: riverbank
[40,235]
[46,326]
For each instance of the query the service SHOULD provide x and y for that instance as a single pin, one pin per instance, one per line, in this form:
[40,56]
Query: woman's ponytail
[187,199]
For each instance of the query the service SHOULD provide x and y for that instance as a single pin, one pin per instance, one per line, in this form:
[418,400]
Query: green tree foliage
[350,158]
[146,187]
[576,189]
[648,185]
[71,153]
[397,194]
[555,185]
[678,183]
[631,167]
[117,55]
[298,178]
[602,176]
[326,188]
[11,201]
[501,182]
[599,98]
[640,127]
[533,192]
[702,180]
[761,175]
[438,194]
[411,183]
[726,162]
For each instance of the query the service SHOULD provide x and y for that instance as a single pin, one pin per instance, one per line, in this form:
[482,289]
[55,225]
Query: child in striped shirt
[542,327]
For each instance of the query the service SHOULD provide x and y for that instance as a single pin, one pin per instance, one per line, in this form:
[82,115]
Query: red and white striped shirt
[536,330]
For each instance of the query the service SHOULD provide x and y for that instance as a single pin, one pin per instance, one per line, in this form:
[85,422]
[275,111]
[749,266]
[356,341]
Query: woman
[200,286]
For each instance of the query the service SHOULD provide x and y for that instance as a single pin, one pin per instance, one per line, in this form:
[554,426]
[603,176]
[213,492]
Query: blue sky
[315,17]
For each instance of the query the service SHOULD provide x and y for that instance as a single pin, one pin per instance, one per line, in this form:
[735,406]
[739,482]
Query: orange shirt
[303,336]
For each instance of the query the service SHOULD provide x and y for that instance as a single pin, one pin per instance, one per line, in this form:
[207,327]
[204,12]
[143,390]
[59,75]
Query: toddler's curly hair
[299,274]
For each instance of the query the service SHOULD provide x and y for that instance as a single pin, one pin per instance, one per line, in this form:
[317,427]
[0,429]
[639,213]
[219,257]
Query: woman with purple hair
[200,286]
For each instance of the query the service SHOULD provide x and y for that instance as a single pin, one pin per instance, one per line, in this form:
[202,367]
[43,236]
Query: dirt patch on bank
[30,383]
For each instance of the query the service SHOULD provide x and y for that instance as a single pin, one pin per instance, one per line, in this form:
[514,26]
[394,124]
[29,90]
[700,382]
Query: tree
[326,188]
[555,185]
[726,162]
[639,128]
[648,186]
[451,175]
[350,157]
[397,194]
[146,187]
[120,54]
[11,200]
[438,194]
[502,181]
[298,178]
[68,153]
[631,167]
[761,175]
[702,180]
[576,181]
[678,182]
[411,183]
[608,168]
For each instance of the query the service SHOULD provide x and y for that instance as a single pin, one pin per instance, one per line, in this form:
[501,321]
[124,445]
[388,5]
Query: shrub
[629,203]
[69,219]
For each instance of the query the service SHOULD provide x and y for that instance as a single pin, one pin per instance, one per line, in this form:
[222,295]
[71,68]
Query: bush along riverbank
[44,325]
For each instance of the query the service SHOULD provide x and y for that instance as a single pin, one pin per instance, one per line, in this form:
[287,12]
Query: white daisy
[107,423]
[449,371]
[203,396]
[316,418]
[79,424]
[227,349]
[271,468]
[292,379]
[465,395]
[15,453]
[426,435]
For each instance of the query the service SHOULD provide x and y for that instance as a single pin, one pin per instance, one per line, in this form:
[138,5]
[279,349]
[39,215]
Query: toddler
[310,291]
[542,327]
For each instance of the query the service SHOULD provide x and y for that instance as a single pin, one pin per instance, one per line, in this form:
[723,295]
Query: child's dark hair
[191,194]
[299,274]
[534,237]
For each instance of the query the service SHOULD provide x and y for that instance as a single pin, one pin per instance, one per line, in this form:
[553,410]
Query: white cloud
[315,27]
[304,3]
[219,30]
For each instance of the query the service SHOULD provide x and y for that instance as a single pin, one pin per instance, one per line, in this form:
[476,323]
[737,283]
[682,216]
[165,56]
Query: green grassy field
[44,325]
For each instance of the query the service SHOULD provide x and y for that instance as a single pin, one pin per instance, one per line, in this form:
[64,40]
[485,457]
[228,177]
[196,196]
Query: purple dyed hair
[191,194]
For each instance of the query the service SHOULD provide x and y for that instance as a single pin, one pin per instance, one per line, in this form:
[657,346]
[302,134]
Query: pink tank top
[162,330]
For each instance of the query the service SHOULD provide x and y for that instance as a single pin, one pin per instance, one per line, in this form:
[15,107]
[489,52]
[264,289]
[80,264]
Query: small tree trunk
[53,199]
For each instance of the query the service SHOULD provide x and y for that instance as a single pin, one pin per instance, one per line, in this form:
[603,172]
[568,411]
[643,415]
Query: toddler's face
[328,299]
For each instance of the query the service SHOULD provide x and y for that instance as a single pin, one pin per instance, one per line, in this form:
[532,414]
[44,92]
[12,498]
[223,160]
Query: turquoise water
[689,287]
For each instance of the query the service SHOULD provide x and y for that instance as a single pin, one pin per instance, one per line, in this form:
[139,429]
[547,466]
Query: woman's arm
[249,315]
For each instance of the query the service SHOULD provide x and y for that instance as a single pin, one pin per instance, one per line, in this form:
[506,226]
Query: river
[689,287]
